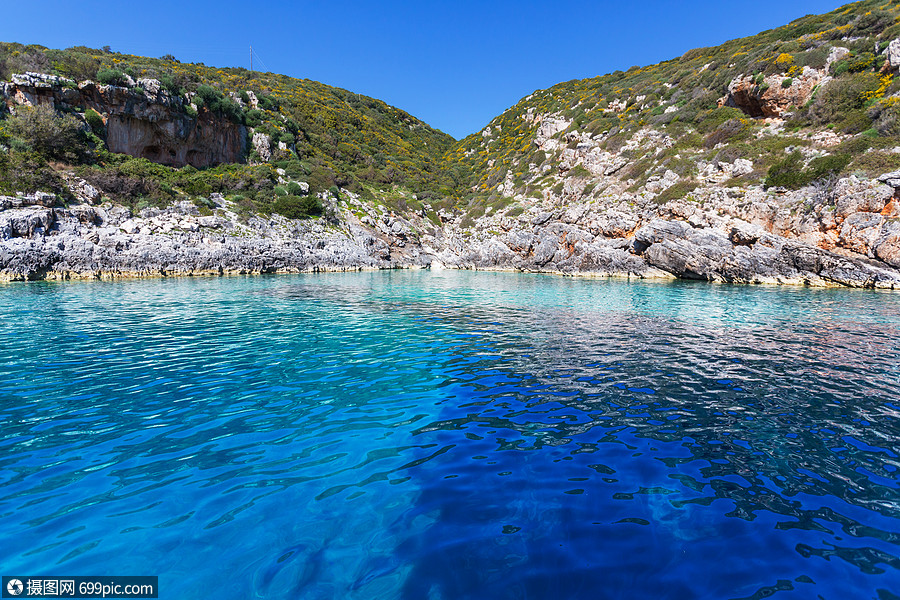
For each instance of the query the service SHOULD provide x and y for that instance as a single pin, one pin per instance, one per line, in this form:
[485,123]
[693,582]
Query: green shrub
[855,121]
[790,172]
[787,173]
[712,119]
[872,22]
[876,163]
[839,68]
[841,97]
[47,133]
[824,166]
[169,84]
[786,83]
[862,62]
[27,171]
[216,102]
[814,57]
[885,118]
[111,77]
[267,102]
[578,171]
[94,121]
[294,189]
[76,65]
[295,207]
[727,131]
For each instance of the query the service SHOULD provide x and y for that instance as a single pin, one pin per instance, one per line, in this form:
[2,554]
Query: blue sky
[454,64]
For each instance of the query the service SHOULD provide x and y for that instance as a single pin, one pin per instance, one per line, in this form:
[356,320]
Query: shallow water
[452,435]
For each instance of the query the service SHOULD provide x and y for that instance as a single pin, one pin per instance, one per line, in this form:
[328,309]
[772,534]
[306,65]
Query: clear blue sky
[454,64]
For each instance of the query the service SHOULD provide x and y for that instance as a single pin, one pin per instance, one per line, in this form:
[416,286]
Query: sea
[452,435]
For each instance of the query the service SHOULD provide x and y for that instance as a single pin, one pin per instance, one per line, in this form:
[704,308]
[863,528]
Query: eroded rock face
[769,98]
[202,142]
[144,121]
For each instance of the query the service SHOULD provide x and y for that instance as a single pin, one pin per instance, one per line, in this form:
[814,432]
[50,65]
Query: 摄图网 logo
[14,587]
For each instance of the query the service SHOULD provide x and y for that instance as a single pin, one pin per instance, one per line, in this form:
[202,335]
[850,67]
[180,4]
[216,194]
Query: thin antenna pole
[251,58]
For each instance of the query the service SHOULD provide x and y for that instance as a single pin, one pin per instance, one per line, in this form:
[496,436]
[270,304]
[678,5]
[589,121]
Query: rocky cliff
[727,234]
[144,120]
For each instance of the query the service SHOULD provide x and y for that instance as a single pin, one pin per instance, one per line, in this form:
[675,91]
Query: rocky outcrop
[775,94]
[892,54]
[728,235]
[262,145]
[145,121]
[748,256]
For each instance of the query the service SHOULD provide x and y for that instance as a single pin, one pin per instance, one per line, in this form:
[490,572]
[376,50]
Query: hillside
[322,135]
[765,159]
[709,104]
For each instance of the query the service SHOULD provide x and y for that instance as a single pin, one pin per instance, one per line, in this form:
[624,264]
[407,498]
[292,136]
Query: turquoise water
[452,435]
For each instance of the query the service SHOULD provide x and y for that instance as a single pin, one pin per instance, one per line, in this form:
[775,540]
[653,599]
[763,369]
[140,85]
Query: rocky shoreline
[762,241]
[104,242]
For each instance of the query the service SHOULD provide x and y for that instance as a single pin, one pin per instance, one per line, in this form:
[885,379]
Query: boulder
[742,167]
[837,53]
[887,247]
[677,248]
[892,54]
[892,179]
[262,144]
[82,190]
[25,222]
[860,231]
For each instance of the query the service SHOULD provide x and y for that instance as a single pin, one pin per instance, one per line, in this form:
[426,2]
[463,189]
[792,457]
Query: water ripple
[464,435]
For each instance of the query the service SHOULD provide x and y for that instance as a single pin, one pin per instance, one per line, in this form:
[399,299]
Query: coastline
[653,275]
[677,240]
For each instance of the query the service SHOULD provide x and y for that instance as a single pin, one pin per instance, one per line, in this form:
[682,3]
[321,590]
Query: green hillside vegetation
[334,137]
[857,103]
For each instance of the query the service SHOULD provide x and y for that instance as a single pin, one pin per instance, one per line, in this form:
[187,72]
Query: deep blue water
[449,435]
